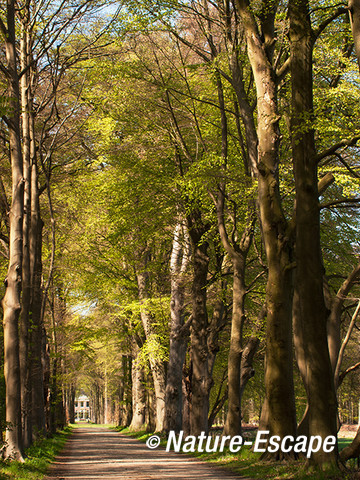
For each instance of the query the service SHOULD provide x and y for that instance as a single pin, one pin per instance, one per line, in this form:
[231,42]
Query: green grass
[39,457]
[91,425]
[248,464]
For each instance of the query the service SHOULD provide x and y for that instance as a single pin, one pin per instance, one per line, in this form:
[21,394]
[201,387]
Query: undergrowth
[38,458]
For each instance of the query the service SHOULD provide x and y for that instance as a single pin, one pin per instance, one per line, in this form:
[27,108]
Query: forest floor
[100,453]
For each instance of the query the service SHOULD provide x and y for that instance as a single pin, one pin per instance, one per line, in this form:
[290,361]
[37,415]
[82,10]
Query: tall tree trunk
[37,377]
[178,336]
[70,403]
[354,9]
[138,393]
[186,394]
[238,254]
[233,419]
[26,273]
[156,363]
[312,310]
[200,377]
[279,386]
[236,251]
[11,302]
[125,391]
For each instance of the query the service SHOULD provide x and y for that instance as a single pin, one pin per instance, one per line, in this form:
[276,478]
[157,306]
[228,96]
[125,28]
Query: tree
[12,301]
[279,409]
[179,330]
[310,306]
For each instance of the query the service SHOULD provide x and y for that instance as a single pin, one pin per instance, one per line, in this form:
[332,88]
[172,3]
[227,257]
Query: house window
[87,404]
[81,404]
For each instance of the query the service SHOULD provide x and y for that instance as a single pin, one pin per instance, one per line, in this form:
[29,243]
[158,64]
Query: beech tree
[26,79]
[12,300]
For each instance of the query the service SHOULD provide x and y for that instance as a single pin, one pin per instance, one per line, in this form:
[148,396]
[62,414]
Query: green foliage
[148,151]
[39,457]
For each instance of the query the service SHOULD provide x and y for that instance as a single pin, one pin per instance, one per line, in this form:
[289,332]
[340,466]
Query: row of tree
[207,207]
[40,46]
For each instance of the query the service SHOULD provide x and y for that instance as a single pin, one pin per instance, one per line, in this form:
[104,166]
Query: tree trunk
[334,319]
[247,358]
[312,310]
[70,403]
[125,389]
[186,393]
[200,378]
[11,301]
[233,419]
[280,397]
[300,355]
[37,377]
[25,360]
[352,450]
[156,363]
[178,337]
[127,414]
[354,9]
[138,394]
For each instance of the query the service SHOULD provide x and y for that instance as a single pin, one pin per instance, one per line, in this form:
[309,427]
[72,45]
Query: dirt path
[100,453]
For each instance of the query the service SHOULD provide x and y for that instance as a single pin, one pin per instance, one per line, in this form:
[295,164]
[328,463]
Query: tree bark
[237,253]
[138,393]
[178,337]
[280,398]
[334,319]
[25,359]
[156,363]
[12,302]
[352,450]
[344,345]
[247,358]
[354,10]
[200,378]
[125,413]
[37,377]
[312,310]
[233,419]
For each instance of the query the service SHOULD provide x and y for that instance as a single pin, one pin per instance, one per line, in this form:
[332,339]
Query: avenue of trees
[179,198]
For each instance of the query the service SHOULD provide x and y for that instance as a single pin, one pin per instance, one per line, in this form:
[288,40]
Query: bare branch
[342,376]
[318,31]
[346,202]
[332,150]
[345,342]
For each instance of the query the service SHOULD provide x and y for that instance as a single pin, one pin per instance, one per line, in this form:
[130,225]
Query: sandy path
[95,453]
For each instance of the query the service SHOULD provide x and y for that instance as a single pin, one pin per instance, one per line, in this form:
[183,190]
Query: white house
[82,408]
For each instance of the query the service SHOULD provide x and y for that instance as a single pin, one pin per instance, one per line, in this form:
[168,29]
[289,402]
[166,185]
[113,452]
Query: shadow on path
[99,453]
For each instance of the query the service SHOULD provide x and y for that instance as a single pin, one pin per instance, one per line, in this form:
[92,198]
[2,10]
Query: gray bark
[138,393]
[11,301]
[156,363]
[178,334]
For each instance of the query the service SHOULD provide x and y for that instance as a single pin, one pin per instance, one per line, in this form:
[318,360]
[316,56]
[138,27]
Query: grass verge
[91,425]
[248,464]
[39,457]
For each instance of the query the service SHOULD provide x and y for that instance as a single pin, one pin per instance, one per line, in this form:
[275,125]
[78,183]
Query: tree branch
[345,342]
[347,371]
[332,150]
[318,31]
[325,182]
[346,202]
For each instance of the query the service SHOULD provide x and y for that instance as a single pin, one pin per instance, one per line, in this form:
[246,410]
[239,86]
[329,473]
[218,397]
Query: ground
[101,453]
